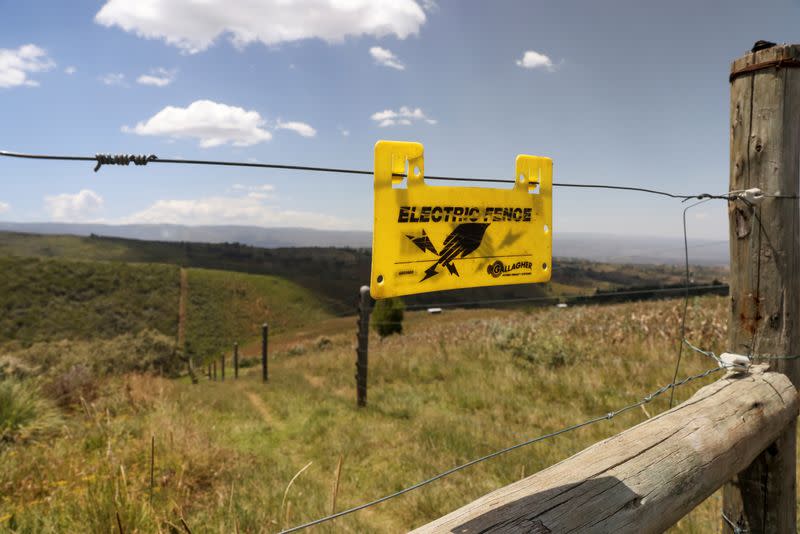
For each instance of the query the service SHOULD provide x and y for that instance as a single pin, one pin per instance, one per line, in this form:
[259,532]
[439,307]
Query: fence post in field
[264,339]
[765,265]
[208,371]
[192,372]
[214,367]
[362,352]
[222,367]
[236,361]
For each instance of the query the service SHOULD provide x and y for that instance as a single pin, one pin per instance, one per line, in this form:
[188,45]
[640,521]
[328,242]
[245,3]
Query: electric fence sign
[434,238]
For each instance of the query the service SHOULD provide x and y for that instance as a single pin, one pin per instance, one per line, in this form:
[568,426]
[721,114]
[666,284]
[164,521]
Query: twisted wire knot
[122,159]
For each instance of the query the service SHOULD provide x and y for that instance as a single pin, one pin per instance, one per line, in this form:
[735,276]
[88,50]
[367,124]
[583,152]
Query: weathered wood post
[222,367]
[264,338]
[362,352]
[208,371]
[214,367]
[235,361]
[765,264]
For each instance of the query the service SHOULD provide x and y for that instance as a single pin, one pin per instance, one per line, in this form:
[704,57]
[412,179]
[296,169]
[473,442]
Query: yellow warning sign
[432,238]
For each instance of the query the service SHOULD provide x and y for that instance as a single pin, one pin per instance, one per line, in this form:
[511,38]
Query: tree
[387,317]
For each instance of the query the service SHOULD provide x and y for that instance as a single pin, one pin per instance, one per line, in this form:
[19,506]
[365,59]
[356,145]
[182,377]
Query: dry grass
[451,388]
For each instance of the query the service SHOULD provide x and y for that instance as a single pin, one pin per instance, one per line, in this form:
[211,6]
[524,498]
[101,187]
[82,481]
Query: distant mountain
[595,247]
[640,249]
[248,235]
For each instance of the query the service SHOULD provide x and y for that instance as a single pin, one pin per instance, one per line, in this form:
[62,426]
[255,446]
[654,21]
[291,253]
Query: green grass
[451,388]
[226,307]
[24,413]
[54,299]
[53,309]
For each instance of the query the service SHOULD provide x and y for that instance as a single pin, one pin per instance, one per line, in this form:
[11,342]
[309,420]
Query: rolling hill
[335,274]
[63,312]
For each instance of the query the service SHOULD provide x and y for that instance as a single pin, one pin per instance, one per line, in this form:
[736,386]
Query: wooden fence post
[214,367]
[765,265]
[236,361]
[209,371]
[264,338]
[362,352]
[222,367]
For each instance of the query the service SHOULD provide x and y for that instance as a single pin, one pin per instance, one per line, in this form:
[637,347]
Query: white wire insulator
[736,362]
[754,195]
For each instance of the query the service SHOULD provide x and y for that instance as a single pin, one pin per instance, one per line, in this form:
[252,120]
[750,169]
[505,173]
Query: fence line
[142,159]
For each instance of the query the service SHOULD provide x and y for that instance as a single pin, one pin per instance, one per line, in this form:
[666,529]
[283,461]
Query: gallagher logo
[498,268]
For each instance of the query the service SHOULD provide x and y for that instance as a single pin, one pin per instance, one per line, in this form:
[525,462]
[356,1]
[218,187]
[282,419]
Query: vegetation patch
[24,413]
[227,307]
[55,299]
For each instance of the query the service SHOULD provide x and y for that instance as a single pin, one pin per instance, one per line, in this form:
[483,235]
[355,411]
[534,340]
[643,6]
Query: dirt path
[182,308]
[261,407]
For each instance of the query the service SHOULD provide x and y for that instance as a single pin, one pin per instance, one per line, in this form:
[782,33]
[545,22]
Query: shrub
[68,388]
[323,343]
[24,413]
[11,367]
[387,317]
[146,352]
[534,346]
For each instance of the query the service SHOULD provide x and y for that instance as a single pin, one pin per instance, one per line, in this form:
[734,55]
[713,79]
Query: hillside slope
[335,274]
[47,304]
[225,307]
[54,299]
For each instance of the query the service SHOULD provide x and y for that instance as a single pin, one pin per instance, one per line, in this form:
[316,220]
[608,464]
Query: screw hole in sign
[521,178]
[546,228]
[380,278]
[416,172]
[544,266]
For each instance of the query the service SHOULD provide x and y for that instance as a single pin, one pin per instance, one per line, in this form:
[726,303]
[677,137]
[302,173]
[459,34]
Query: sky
[625,92]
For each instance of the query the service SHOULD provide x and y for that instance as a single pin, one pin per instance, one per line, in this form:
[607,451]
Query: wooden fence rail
[649,476]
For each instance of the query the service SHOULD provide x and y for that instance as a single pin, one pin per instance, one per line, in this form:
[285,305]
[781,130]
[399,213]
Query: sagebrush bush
[72,386]
[147,351]
[534,345]
[11,367]
[24,413]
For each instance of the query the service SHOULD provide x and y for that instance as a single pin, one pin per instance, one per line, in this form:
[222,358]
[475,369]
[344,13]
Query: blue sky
[624,92]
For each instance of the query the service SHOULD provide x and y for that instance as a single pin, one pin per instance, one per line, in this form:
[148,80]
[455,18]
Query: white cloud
[113,78]
[430,6]
[77,207]
[70,70]
[535,60]
[193,26]
[261,191]
[17,64]
[249,209]
[257,192]
[157,77]
[5,207]
[212,123]
[386,58]
[298,127]
[403,117]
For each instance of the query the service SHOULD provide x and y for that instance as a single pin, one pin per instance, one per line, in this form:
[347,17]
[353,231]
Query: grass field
[225,307]
[451,388]
[54,299]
